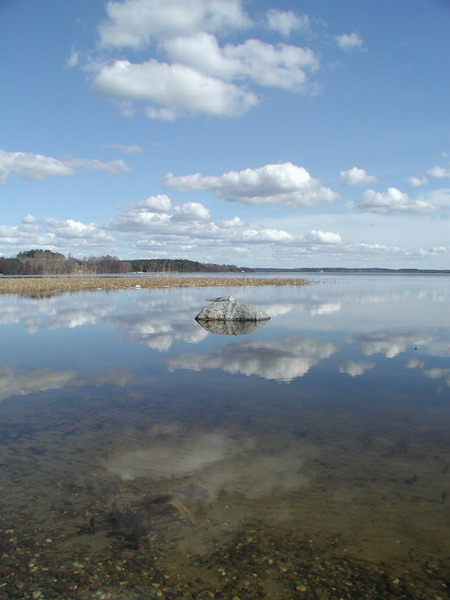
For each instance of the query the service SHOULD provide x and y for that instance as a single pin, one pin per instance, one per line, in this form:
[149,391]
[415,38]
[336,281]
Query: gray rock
[231,310]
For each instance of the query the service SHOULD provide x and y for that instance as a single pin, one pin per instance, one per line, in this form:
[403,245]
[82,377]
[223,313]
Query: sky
[289,134]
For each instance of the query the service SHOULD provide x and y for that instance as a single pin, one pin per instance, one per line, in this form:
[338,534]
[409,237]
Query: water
[143,456]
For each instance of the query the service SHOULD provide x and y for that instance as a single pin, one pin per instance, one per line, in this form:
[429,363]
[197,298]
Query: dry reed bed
[41,286]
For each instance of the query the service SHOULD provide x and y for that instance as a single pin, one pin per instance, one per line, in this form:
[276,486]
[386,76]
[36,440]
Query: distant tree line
[46,262]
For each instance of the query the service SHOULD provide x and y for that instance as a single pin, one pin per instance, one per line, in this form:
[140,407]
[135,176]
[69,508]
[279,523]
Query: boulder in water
[227,308]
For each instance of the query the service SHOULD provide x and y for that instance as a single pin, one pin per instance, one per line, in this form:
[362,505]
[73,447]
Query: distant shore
[42,286]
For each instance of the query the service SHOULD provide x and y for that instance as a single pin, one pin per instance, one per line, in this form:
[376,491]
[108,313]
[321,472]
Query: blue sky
[256,133]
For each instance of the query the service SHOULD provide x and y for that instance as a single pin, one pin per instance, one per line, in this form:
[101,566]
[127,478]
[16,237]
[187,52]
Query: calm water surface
[143,456]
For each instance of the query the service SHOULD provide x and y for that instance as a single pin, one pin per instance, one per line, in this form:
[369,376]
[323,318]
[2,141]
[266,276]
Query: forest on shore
[46,262]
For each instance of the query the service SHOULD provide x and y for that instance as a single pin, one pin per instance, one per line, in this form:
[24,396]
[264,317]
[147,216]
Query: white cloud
[356,176]
[73,230]
[349,42]
[31,166]
[73,59]
[157,203]
[178,87]
[112,167]
[134,149]
[392,201]
[285,22]
[38,167]
[439,172]
[322,237]
[417,181]
[200,76]
[191,211]
[267,235]
[284,183]
[135,23]
[280,66]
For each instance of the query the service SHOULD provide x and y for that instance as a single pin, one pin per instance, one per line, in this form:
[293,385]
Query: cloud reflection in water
[281,360]
[217,461]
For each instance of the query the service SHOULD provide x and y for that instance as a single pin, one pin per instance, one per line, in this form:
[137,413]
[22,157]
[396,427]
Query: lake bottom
[131,494]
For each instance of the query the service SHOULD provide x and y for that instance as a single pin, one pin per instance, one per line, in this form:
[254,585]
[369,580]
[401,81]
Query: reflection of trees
[282,360]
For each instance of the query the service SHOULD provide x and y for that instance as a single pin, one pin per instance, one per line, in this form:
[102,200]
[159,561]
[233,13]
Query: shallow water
[143,456]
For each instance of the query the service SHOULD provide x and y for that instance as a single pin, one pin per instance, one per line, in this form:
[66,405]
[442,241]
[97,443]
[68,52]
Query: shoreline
[40,286]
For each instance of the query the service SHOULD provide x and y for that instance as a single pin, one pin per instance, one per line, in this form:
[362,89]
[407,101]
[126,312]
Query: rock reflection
[282,360]
[231,327]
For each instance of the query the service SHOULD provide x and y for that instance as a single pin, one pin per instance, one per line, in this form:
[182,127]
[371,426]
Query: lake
[144,456]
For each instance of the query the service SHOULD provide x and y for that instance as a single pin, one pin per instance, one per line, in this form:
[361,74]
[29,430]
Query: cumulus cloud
[31,166]
[286,22]
[191,211]
[112,167]
[73,59]
[157,203]
[285,184]
[356,176]
[267,235]
[177,88]
[417,181]
[322,237]
[39,167]
[349,42]
[392,201]
[156,214]
[136,23]
[73,230]
[439,172]
[21,235]
[280,66]
[200,77]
